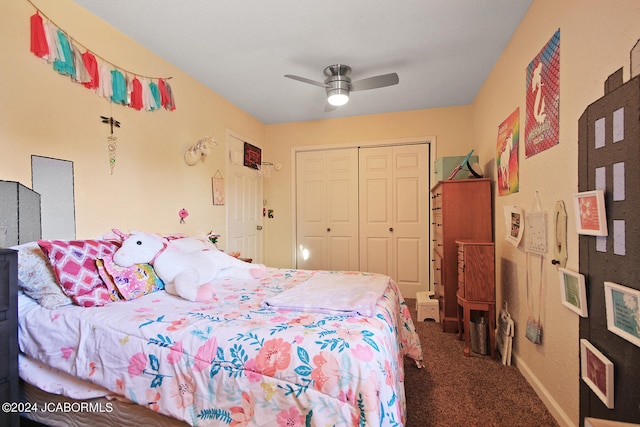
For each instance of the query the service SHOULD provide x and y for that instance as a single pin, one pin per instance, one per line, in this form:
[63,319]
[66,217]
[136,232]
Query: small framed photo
[597,372]
[591,217]
[623,311]
[573,291]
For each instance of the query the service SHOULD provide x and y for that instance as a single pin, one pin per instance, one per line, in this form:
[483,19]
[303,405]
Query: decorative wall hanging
[533,331]
[112,142]
[623,311]
[199,150]
[507,154]
[573,291]
[591,217]
[542,124]
[183,214]
[109,81]
[536,223]
[560,241]
[252,156]
[217,186]
[597,372]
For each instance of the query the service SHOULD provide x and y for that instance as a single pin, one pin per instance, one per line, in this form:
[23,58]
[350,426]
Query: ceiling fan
[338,84]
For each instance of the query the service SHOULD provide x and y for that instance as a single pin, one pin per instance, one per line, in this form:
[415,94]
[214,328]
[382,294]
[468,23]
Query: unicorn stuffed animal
[187,266]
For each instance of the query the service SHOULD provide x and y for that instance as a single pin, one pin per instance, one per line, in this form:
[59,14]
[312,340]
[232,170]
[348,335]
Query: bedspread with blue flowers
[233,362]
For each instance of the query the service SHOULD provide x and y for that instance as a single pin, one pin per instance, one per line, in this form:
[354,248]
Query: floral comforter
[233,362]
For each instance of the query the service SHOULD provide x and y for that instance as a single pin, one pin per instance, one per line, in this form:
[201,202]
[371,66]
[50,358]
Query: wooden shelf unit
[462,209]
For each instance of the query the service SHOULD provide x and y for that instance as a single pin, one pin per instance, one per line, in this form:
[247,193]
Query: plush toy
[187,266]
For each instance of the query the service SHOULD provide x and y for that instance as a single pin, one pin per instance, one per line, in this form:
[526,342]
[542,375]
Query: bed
[235,361]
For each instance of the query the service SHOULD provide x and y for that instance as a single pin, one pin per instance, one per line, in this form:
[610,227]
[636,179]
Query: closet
[327,209]
[365,209]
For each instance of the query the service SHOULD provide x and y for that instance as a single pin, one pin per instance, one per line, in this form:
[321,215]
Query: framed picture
[573,291]
[597,372]
[623,311]
[515,224]
[252,156]
[591,217]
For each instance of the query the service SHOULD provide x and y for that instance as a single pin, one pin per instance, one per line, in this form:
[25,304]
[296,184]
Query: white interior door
[376,211]
[244,204]
[394,214]
[327,209]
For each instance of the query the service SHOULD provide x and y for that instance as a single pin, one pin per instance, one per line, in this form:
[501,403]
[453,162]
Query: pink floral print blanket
[235,362]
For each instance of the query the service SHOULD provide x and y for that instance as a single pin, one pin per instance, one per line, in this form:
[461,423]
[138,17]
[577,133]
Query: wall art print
[597,372]
[623,311]
[542,119]
[507,154]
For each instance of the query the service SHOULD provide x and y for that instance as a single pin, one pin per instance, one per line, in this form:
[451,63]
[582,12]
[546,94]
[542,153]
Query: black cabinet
[9,334]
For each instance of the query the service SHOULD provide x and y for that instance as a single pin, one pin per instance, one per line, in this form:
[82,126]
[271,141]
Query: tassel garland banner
[116,84]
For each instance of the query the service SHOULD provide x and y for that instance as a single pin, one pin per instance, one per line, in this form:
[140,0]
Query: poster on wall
[507,154]
[542,119]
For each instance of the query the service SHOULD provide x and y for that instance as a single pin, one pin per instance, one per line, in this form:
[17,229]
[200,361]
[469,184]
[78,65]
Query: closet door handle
[391,229]
[328,229]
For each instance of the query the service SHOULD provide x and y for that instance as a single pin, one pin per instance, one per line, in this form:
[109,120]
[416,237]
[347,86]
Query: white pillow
[36,277]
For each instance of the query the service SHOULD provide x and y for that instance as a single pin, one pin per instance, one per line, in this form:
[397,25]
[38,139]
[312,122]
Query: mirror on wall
[53,180]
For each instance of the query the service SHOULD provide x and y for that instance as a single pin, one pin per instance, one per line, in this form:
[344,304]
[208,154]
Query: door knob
[259,227]
[328,229]
[391,229]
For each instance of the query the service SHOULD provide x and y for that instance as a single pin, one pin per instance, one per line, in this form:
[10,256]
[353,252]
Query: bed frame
[100,411]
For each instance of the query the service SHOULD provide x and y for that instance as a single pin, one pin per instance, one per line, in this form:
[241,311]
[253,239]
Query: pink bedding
[235,362]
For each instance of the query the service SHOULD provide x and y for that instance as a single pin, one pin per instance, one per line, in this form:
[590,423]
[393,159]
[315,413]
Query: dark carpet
[454,390]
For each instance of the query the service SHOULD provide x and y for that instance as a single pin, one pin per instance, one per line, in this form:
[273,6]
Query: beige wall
[595,40]
[44,113]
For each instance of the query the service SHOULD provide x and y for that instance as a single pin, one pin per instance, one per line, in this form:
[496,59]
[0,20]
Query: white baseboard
[561,417]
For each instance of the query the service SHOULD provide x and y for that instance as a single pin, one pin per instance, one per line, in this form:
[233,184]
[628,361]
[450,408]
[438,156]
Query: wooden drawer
[461,271]
[476,281]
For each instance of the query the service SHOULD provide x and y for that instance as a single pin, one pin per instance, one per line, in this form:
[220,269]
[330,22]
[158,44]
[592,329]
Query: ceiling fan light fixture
[338,97]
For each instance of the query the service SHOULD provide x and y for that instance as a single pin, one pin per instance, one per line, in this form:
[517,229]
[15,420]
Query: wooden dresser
[9,334]
[476,287]
[462,209]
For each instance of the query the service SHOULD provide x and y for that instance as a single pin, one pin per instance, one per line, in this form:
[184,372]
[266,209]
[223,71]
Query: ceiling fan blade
[305,80]
[375,82]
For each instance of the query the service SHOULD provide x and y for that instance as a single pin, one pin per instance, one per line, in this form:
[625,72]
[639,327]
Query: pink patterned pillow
[74,263]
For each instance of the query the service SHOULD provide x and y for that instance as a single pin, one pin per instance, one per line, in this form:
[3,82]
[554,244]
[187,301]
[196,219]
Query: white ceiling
[442,50]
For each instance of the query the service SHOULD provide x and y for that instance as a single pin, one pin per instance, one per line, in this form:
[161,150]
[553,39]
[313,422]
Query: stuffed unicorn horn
[187,266]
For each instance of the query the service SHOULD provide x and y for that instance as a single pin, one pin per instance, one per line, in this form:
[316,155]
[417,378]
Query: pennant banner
[119,86]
